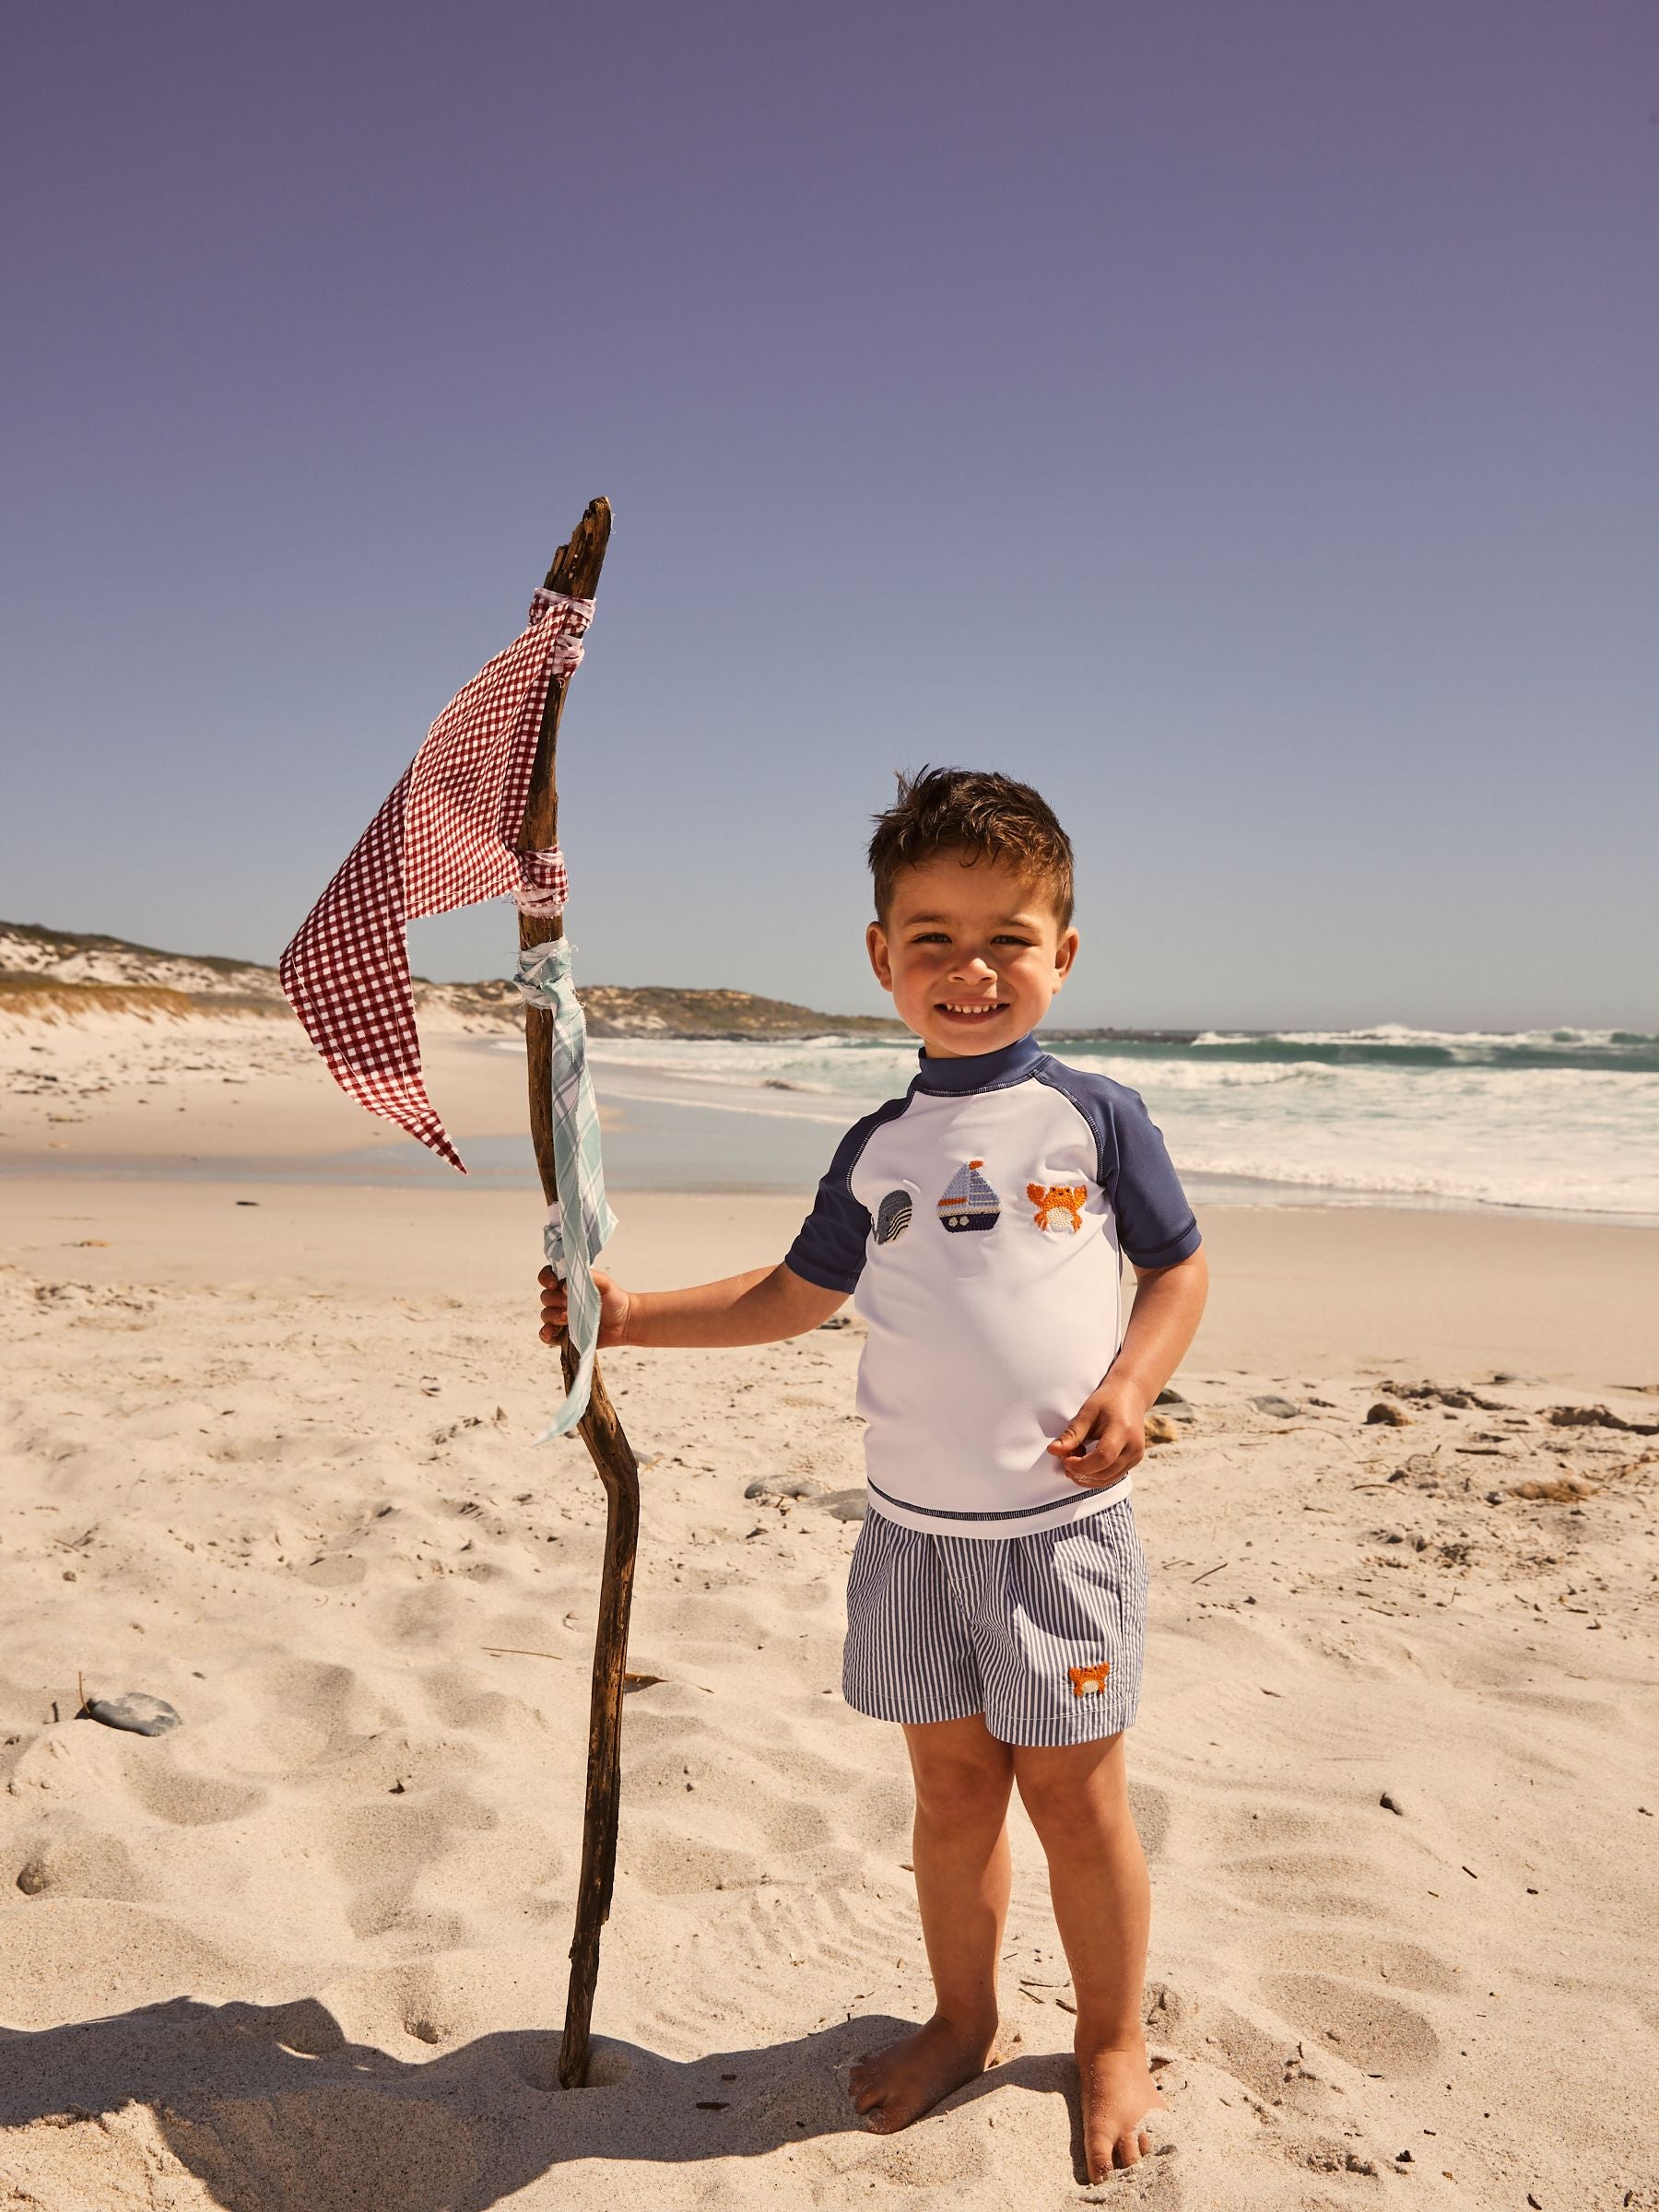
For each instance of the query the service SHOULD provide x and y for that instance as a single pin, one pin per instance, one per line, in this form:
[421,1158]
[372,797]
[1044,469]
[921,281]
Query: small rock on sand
[1161,1429]
[1385,1415]
[136,1711]
[1281,1409]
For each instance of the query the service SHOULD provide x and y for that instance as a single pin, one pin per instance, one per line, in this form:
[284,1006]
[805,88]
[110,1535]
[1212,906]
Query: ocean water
[1560,1121]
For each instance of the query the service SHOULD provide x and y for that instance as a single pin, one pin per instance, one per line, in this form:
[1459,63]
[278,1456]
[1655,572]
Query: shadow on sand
[273,2110]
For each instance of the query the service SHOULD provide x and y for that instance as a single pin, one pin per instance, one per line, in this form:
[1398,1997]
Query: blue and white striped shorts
[1043,1634]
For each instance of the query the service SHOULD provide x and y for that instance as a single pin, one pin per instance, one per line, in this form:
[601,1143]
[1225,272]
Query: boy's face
[972,952]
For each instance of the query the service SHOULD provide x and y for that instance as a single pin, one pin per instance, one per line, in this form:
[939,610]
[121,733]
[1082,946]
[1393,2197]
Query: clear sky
[1240,420]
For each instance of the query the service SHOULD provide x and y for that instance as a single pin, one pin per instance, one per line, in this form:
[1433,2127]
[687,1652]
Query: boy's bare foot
[908,2078]
[1118,2093]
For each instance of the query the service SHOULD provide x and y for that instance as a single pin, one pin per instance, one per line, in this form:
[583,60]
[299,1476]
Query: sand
[119,1087]
[272,1462]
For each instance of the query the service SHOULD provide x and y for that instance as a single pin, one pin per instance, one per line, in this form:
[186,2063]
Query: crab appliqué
[1052,1198]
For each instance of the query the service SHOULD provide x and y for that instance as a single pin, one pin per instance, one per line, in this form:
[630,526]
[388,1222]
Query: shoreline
[245,1095]
[401,1165]
[1383,1290]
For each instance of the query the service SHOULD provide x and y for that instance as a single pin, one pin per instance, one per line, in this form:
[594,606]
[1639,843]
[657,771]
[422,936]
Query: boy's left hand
[1108,1436]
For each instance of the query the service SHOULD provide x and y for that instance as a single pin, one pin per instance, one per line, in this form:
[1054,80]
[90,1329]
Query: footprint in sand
[455,1695]
[294,1712]
[1150,1806]
[924,2157]
[1377,2033]
[419,1619]
[348,2146]
[1249,2053]
[73,1861]
[191,1800]
[1364,1957]
[1305,1883]
[675,1865]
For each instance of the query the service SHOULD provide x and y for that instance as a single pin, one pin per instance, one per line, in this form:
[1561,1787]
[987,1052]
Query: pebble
[783,1485]
[1280,1408]
[1161,1429]
[136,1711]
[1383,1415]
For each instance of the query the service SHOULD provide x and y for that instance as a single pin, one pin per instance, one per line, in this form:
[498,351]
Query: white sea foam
[1484,1119]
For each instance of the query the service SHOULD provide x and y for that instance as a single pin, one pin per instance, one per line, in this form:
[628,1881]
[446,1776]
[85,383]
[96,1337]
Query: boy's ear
[875,945]
[1065,952]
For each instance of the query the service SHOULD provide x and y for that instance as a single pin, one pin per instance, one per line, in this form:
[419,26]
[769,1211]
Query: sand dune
[127,1071]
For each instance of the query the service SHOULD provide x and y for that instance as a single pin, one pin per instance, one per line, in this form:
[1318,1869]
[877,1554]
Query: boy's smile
[972,952]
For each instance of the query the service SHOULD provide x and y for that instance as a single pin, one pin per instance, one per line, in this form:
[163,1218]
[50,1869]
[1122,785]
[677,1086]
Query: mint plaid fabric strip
[544,979]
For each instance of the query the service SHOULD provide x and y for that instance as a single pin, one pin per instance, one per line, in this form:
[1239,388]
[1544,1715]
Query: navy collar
[978,1071]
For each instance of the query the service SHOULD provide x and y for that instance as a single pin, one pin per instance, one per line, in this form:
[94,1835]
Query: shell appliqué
[893,1217]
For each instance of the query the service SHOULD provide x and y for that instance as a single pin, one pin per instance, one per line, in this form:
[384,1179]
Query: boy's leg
[1077,1797]
[963,1777]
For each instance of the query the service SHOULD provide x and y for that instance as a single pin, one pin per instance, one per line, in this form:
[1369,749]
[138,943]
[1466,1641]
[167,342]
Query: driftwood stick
[575,571]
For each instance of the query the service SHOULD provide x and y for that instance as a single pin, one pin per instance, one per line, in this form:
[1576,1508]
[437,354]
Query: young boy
[996,1597]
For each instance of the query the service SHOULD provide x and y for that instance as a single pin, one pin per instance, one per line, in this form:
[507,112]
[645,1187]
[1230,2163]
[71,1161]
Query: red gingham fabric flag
[445,837]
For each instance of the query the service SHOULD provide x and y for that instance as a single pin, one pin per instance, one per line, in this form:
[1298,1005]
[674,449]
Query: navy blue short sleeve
[1155,1223]
[830,1250]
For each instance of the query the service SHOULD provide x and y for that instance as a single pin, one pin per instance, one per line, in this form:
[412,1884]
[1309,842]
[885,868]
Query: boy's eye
[940,937]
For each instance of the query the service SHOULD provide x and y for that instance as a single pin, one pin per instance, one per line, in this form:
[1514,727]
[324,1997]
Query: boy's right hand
[613,1309]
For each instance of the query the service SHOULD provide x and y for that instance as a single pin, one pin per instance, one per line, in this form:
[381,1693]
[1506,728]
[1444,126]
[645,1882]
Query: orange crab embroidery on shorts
[1088,1681]
[1057,1198]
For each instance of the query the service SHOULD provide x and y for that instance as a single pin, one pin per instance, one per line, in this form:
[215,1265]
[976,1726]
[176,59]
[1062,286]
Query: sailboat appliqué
[968,1201]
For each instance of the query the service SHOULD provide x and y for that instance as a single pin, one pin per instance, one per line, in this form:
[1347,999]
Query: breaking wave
[1566,1119]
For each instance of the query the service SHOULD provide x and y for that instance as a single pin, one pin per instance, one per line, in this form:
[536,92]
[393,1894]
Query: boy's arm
[756,1308]
[1108,1435]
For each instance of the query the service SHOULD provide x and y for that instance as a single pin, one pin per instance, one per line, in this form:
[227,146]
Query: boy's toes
[908,2079]
[1128,2150]
[867,2089]
[1119,2098]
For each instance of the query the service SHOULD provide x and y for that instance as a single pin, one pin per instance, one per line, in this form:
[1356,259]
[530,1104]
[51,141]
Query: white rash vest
[981,1222]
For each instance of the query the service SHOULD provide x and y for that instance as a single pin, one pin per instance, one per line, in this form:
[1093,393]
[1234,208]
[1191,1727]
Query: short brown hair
[976,813]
